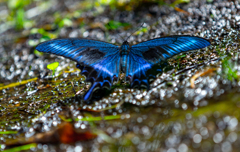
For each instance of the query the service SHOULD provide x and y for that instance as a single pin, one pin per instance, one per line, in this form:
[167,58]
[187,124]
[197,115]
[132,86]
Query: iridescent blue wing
[159,49]
[145,55]
[84,51]
[136,71]
[102,74]
[98,61]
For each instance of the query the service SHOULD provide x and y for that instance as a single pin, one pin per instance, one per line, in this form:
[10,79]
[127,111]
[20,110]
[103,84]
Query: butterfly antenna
[117,34]
[135,31]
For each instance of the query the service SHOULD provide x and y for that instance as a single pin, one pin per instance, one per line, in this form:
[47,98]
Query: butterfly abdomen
[124,51]
[124,63]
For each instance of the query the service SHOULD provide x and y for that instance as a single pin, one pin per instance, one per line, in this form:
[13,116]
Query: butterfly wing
[98,61]
[137,70]
[145,55]
[83,51]
[102,74]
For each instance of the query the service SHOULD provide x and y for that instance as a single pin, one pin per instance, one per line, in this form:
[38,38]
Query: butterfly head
[124,49]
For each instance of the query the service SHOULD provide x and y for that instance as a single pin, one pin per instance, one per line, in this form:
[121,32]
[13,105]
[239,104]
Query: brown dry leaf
[80,20]
[47,27]
[98,25]
[22,40]
[199,75]
[65,133]
[182,11]
[44,87]
[89,110]
[68,134]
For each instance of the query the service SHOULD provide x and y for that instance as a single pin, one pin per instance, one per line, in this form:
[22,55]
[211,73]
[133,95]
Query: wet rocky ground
[194,105]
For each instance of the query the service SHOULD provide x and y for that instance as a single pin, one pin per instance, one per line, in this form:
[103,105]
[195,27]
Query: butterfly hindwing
[136,69]
[152,52]
[98,61]
[101,74]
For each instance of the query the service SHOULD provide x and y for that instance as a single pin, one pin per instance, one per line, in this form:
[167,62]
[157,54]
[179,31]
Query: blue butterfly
[102,62]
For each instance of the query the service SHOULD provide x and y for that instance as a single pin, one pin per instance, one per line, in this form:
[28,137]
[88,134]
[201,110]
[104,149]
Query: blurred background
[193,105]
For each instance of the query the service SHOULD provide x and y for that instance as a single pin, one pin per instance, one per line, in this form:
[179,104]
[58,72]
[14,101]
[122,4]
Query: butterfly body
[102,62]
[124,51]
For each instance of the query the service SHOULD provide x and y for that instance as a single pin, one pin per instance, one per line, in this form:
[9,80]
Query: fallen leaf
[65,133]
[199,75]
[181,10]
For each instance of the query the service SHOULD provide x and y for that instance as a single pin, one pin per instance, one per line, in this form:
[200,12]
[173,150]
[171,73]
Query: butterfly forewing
[98,61]
[156,50]
[82,51]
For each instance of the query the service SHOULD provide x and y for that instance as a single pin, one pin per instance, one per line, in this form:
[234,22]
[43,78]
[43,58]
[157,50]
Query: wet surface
[192,106]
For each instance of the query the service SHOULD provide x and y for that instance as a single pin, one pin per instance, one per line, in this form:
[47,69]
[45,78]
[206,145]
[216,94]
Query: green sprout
[228,69]
[179,2]
[142,30]
[65,22]
[21,148]
[17,13]
[53,66]
[116,25]
[45,35]
[8,132]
